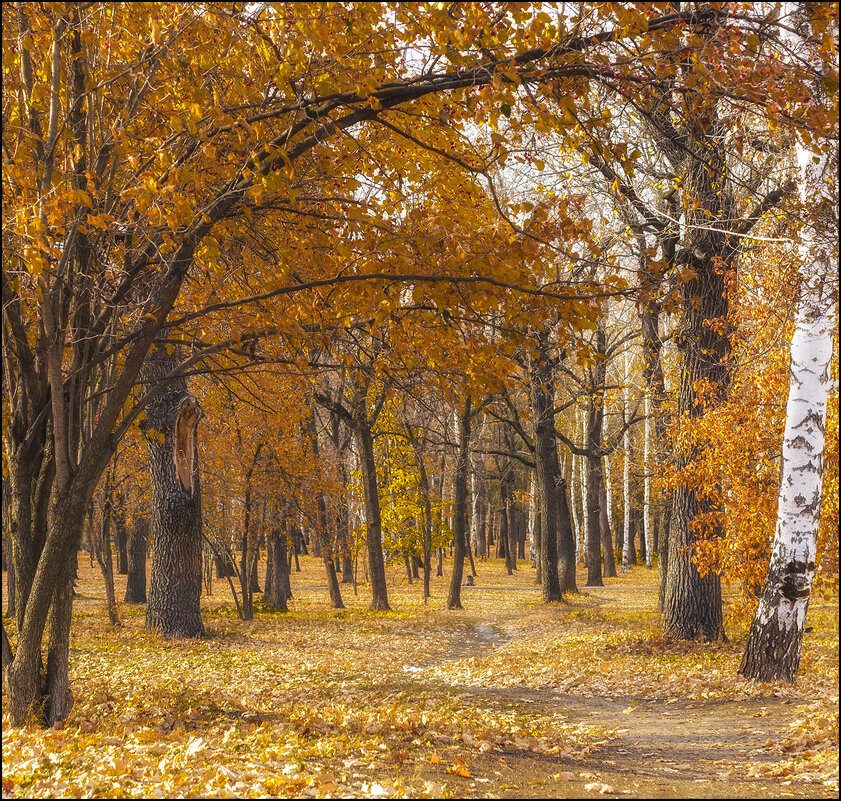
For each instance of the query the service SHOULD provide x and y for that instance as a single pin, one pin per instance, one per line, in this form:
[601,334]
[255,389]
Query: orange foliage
[738,445]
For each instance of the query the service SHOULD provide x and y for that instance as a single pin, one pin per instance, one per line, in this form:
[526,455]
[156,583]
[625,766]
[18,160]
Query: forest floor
[507,698]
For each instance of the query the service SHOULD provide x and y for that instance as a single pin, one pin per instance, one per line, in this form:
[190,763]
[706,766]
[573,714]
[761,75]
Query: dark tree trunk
[103,553]
[427,513]
[138,542]
[692,606]
[224,566]
[470,555]
[267,581]
[595,480]
[663,551]
[342,534]
[639,527]
[247,595]
[439,568]
[277,592]
[502,536]
[481,532]
[607,536]
[48,697]
[547,470]
[594,557]
[322,533]
[620,539]
[120,532]
[10,577]
[376,564]
[460,508]
[631,547]
[300,545]
[566,542]
[174,605]
[408,566]
[59,696]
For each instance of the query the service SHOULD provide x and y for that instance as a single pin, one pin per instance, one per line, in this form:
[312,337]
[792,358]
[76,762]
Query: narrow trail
[672,748]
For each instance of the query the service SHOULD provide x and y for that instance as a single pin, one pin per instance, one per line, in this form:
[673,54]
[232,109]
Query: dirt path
[671,748]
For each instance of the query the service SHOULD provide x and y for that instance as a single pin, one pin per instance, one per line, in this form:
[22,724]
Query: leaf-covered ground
[507,698]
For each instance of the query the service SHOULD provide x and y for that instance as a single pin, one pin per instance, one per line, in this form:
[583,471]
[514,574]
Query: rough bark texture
[173,607]
[59,696]
[692,606]
[276,595]
[547,475]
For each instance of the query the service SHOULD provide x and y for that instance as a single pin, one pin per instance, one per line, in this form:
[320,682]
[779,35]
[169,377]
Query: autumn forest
[422,399]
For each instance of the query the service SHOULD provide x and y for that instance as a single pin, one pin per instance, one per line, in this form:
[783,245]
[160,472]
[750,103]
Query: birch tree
[776,634]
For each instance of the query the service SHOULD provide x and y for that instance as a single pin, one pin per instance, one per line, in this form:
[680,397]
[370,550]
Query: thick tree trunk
[50,595]
[59,696]
[547,474]
[692,606]
[276,595]
[693,602]
[460,507]
[137,546]
[173,607]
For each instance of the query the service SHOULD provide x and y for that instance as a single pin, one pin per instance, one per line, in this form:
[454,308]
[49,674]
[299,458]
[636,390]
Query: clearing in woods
[508,698]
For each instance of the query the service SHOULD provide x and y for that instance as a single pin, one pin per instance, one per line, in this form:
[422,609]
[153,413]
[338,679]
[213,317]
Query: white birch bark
[532,520]
[646,504]
[573,502]
[776,634]
[608,489]
[582,464]
[626,477]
